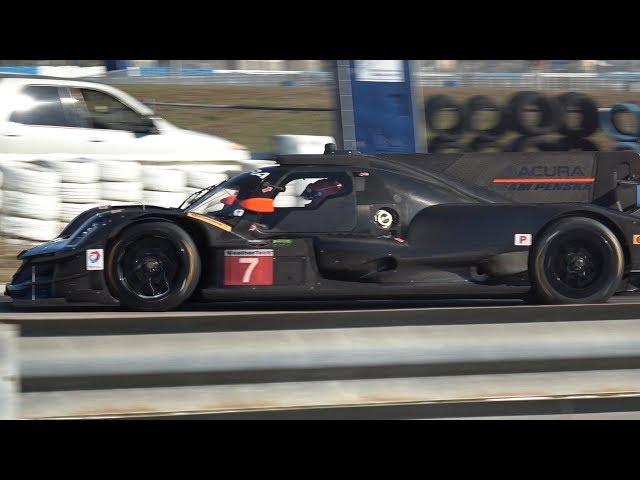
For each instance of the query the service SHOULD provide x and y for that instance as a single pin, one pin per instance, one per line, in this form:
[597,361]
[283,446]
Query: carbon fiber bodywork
[448,239]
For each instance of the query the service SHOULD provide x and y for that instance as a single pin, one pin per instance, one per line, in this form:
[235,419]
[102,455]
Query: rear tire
[576,260]
[153,266]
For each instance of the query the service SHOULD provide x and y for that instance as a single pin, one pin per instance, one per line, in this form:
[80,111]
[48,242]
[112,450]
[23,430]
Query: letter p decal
[522,239]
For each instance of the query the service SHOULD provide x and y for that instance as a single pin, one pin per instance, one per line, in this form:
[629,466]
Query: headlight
[87,229]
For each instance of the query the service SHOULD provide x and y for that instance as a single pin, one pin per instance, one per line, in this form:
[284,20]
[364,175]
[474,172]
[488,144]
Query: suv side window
[40,105]
[103,111]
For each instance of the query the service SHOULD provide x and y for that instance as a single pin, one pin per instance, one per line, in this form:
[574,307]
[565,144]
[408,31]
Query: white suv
[41,115]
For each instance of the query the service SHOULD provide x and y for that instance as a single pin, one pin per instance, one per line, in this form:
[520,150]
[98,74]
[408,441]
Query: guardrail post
[8,372]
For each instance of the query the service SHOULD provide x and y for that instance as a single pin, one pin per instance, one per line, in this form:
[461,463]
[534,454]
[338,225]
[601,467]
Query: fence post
[8,372]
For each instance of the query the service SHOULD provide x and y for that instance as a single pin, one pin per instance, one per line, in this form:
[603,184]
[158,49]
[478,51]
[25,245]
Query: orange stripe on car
[546,180]
[210,221]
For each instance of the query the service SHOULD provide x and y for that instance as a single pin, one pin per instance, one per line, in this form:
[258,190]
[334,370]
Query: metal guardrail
[534,81]
[223,371]
[625,81]
[265,78]
[8,372]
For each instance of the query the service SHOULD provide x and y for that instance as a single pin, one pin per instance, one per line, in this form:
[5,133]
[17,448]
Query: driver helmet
[321,189]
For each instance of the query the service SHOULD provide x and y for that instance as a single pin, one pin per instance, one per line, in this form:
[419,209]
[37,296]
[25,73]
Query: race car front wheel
[153,266]
[576,260]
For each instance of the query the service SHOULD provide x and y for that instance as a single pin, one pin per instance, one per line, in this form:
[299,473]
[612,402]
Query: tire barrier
[29,228]
[589,121]
[554,115]
[163,199]
[163,179]
[120,182]
[199,179]
[550,118]
[438,103]
[29,205]
[484,143]
[202,176]
[480,103]
[119,171]
[79,192]
[527,143]
[69,211]
[609,125]
[568,144]
[42,195]
[444,143]
[122,191]
[30,178]
[74,170]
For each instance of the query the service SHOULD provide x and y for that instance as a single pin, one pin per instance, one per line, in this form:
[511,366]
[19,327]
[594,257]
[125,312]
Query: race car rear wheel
[576,260]
[153,266]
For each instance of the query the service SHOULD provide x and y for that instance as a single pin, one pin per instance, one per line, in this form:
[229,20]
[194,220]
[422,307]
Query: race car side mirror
[258,205]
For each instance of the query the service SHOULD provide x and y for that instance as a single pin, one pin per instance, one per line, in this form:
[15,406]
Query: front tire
[153,266]
[576,260]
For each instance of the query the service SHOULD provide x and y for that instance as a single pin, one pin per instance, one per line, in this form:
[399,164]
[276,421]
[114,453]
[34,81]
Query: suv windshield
[222,199]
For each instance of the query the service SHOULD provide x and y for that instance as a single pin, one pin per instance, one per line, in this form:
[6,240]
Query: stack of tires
[30,202]
[120,182]
[203,176]
[448,136]
[554,115]
[79,187]
[163,186]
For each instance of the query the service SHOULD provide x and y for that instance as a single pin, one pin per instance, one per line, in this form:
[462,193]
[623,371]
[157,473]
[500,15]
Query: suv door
[113,127]
[42,121]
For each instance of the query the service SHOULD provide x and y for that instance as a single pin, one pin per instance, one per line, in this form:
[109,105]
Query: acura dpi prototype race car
[344,225]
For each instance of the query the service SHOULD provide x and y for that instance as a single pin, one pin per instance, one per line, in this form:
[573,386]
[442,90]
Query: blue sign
[384,107]
[116,64]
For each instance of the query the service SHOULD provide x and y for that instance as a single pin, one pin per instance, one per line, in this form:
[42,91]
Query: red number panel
[248,267]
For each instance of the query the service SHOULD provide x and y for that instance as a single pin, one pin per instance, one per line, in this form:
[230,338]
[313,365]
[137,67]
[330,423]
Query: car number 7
[251,265]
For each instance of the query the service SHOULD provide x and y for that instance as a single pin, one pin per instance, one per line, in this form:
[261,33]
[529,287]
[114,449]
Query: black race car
[336,226]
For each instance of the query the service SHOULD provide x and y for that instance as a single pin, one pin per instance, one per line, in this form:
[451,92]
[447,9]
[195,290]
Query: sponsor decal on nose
[95,259]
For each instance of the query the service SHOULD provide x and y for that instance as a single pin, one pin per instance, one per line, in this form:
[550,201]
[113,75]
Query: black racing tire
[479,103]
[551,115]
[576,260]
[444,143]
[437,103]
[589,117]
[153,266]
